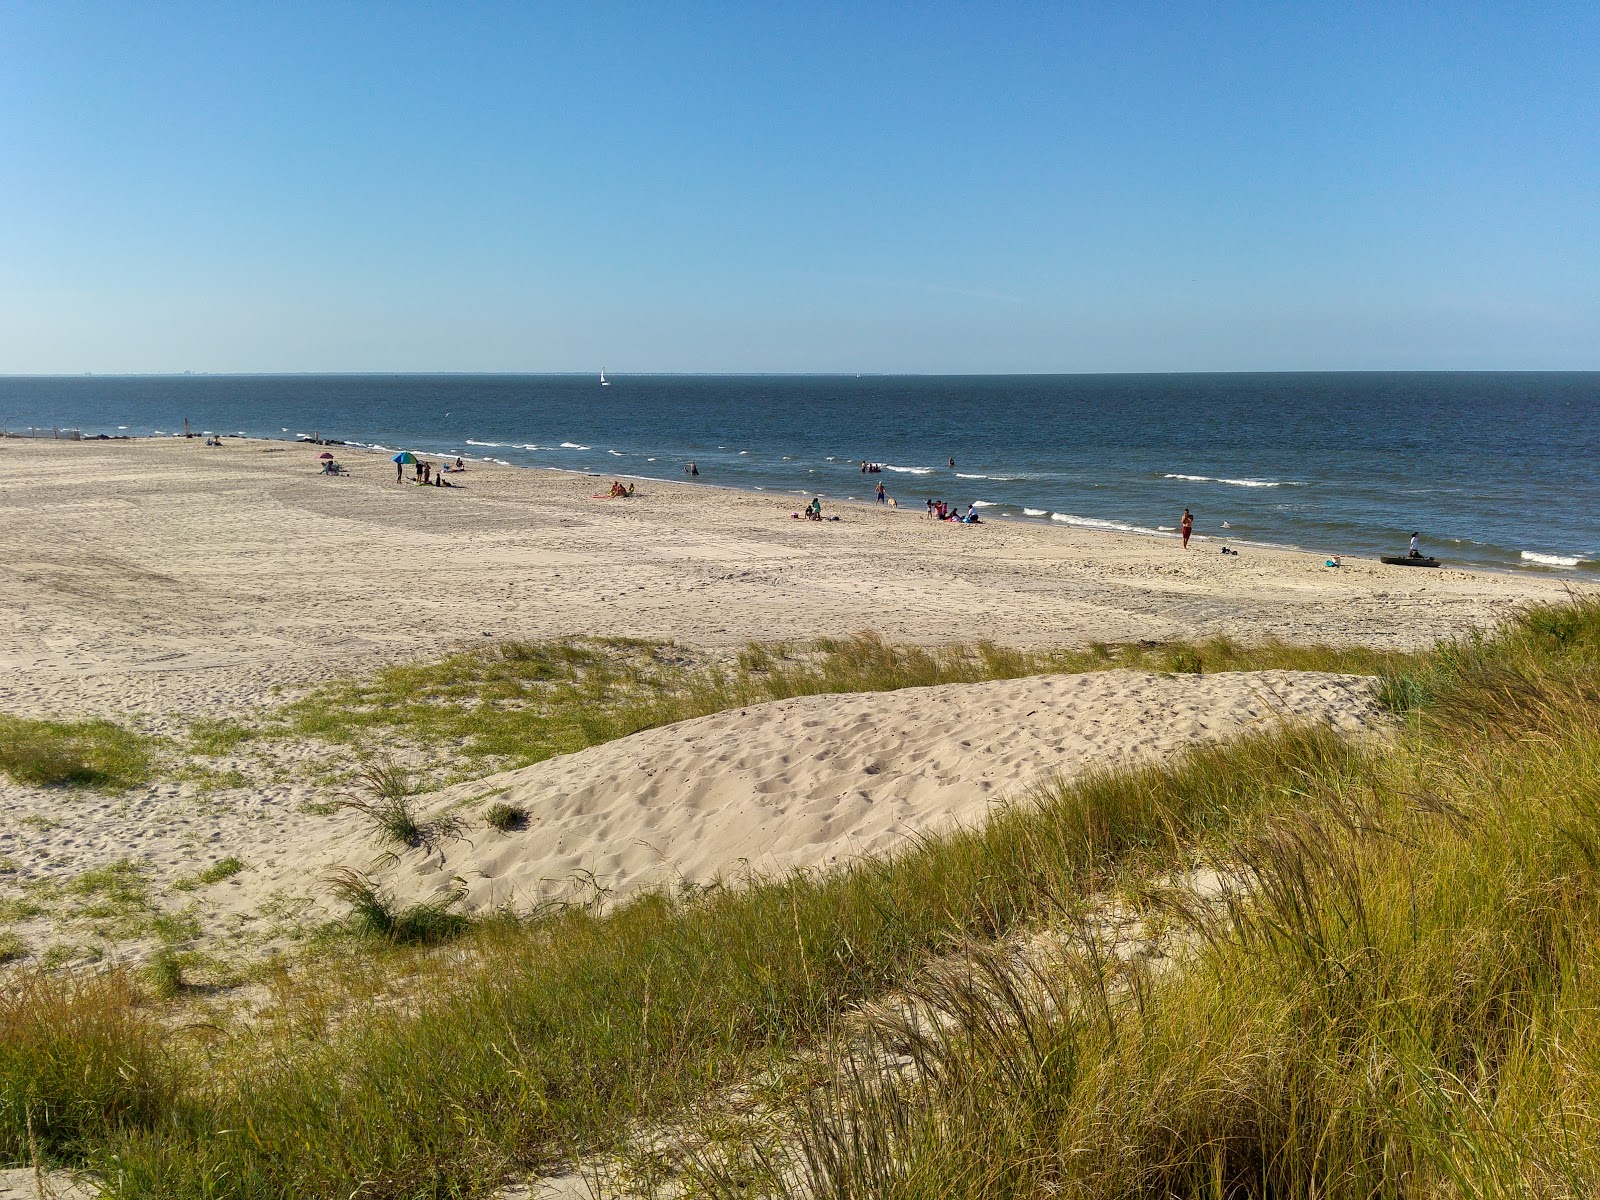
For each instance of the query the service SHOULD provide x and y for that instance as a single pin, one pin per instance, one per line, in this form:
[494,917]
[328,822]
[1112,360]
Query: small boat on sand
[1405,560]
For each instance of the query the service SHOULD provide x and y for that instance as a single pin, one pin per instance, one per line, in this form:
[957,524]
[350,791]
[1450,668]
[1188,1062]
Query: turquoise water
[1493,469]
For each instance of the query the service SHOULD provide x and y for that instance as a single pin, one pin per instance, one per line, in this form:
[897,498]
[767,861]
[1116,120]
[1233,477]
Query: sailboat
[604,382]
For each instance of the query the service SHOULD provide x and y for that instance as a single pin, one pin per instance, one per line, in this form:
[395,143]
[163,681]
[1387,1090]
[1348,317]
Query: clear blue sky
[767,187]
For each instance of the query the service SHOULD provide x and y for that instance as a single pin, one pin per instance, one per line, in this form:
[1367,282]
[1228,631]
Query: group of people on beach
[429,474]
[941,511]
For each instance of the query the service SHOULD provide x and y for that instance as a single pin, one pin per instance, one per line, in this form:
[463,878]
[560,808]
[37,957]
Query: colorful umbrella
[325,454]
[405,457]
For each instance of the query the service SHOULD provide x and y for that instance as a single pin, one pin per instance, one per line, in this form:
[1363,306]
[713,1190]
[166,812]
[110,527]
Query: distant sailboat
[604,382]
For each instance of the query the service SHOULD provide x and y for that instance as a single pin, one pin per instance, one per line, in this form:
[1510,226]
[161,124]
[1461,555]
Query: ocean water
[1498,470]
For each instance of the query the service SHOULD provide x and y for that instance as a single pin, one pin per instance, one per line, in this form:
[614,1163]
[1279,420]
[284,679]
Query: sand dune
[815,781]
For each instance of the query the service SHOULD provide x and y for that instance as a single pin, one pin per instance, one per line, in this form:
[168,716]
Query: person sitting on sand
[460,466]
[814,509]
[972,514]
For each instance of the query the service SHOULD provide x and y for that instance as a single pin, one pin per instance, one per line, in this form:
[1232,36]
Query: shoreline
[1534,563]
[160,575]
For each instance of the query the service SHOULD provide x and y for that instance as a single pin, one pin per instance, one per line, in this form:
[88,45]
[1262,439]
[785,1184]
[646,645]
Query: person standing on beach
[1187,527]
[882,495]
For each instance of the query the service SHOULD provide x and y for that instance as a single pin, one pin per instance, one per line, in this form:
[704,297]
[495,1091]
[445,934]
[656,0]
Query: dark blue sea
[1494,470]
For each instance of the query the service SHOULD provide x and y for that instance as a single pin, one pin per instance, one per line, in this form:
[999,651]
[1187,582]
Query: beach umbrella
[405,457]
[325,454]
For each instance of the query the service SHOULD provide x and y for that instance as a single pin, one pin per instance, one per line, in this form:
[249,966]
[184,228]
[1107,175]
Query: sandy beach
[163,581]
[164,576]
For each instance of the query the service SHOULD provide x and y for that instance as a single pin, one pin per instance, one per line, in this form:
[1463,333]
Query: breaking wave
[1552,560]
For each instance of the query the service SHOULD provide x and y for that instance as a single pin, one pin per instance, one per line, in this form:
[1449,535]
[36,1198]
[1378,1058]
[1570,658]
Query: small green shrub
[374,914]
[506,817]
[165,973]
[97,754]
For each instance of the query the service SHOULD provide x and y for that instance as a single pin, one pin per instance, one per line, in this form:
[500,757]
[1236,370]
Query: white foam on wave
[1036,512]
[1249,483]
[495,445]
[959,475]
[1097,523]
[1552,560]
[573,446]
[908,470]
[615,453]
[984,503]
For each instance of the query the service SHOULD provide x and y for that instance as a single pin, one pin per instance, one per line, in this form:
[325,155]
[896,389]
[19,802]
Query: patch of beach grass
[212,736]
[79,1060]
[505,817]
[12,947]
[225,868]
[509,704]
[374,914]
[97,754]
[16,908]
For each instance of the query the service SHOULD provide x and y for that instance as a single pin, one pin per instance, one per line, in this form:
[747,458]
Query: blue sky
[769,187]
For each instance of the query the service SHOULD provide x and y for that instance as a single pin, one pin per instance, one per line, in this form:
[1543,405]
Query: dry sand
[163,576]
[166,580]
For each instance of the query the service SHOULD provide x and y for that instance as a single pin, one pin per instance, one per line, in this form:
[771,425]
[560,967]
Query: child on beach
[1186,527]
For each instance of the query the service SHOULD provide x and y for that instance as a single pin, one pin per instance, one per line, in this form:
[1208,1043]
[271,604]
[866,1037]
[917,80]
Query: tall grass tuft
[391,813]
[79,1061]
[374,914]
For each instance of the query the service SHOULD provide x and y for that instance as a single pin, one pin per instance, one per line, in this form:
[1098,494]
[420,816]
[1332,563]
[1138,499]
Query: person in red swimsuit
[1187,527]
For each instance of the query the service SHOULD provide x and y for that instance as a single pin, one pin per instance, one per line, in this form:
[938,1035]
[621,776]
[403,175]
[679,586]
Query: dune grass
[98,754]
[509,704]
[541,1037]
[1403,1000]
[1398,1003]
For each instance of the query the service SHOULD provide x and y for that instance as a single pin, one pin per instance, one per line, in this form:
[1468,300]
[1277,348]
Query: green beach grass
[510,704]
[1400,999]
